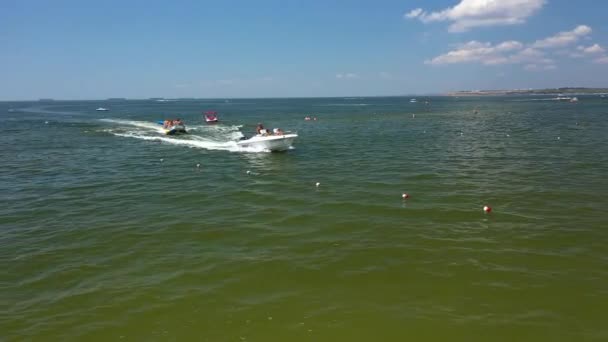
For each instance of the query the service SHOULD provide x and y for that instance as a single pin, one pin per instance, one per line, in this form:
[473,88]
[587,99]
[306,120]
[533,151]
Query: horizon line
[446,93]
[42,99]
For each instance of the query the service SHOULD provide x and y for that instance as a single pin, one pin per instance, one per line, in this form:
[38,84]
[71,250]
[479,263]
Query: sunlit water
[101,240]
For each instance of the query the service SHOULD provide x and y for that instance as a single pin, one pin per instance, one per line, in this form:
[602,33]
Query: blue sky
[139,49]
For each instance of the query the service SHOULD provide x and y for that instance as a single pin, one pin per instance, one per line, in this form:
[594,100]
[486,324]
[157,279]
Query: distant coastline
[571,91]
[546,91]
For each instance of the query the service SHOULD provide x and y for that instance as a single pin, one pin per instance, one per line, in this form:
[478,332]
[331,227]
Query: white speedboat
[275,142]
[413,101]
[101,109]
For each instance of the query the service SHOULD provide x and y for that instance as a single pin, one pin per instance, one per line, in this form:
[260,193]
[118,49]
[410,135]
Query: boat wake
[208,137]
[341,105]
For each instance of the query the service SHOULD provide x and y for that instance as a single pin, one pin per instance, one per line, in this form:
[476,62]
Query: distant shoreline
[505,92]
[547,91]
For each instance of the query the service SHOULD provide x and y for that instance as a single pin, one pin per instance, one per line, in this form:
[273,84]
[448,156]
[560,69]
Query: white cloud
[593,49]
[531,55]
[349,75]
[469,14]
[413,13]
[536,67]
[571,54]
[475,51]
[601,60]
[563,38]
[534,56]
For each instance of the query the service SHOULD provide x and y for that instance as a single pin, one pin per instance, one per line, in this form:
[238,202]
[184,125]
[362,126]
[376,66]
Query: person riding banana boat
[173,126]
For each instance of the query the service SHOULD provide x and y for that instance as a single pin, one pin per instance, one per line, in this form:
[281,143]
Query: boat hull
[177,129]
[275,143]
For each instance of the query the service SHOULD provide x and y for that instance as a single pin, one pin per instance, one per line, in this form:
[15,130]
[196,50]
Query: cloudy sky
[138,49]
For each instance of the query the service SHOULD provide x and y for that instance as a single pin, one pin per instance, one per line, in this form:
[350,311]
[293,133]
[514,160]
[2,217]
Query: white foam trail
[143,124]
[342,105]
[197,142]
[214,137]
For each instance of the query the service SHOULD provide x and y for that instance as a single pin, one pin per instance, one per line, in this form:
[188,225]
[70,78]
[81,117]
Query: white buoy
[161,160]
[405,195]
[248,172]
[413,116]
[198,166]
[46,122]
[558,138]
[317,184]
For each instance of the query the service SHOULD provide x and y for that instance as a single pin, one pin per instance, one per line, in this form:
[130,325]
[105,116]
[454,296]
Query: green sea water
[100,240]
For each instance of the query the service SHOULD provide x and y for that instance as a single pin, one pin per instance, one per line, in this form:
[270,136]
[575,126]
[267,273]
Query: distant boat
[413,101]
[211,117]
[574,99]
[562,98]
[101,109]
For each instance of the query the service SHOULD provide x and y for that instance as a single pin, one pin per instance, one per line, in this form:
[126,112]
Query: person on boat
[278,131]
[259,128]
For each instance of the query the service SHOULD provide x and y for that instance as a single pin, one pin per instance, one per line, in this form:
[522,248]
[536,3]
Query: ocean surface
[109,231]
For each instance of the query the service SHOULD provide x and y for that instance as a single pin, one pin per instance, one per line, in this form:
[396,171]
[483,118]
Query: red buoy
[487,209]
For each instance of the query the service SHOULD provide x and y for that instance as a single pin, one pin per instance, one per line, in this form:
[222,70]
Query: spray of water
[209,137]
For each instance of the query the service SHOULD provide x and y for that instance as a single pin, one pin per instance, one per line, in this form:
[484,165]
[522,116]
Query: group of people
[263,131]
[171,123]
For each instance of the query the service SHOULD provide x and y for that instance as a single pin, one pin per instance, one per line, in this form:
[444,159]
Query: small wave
[44,110]
[534,99]
[342,105]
